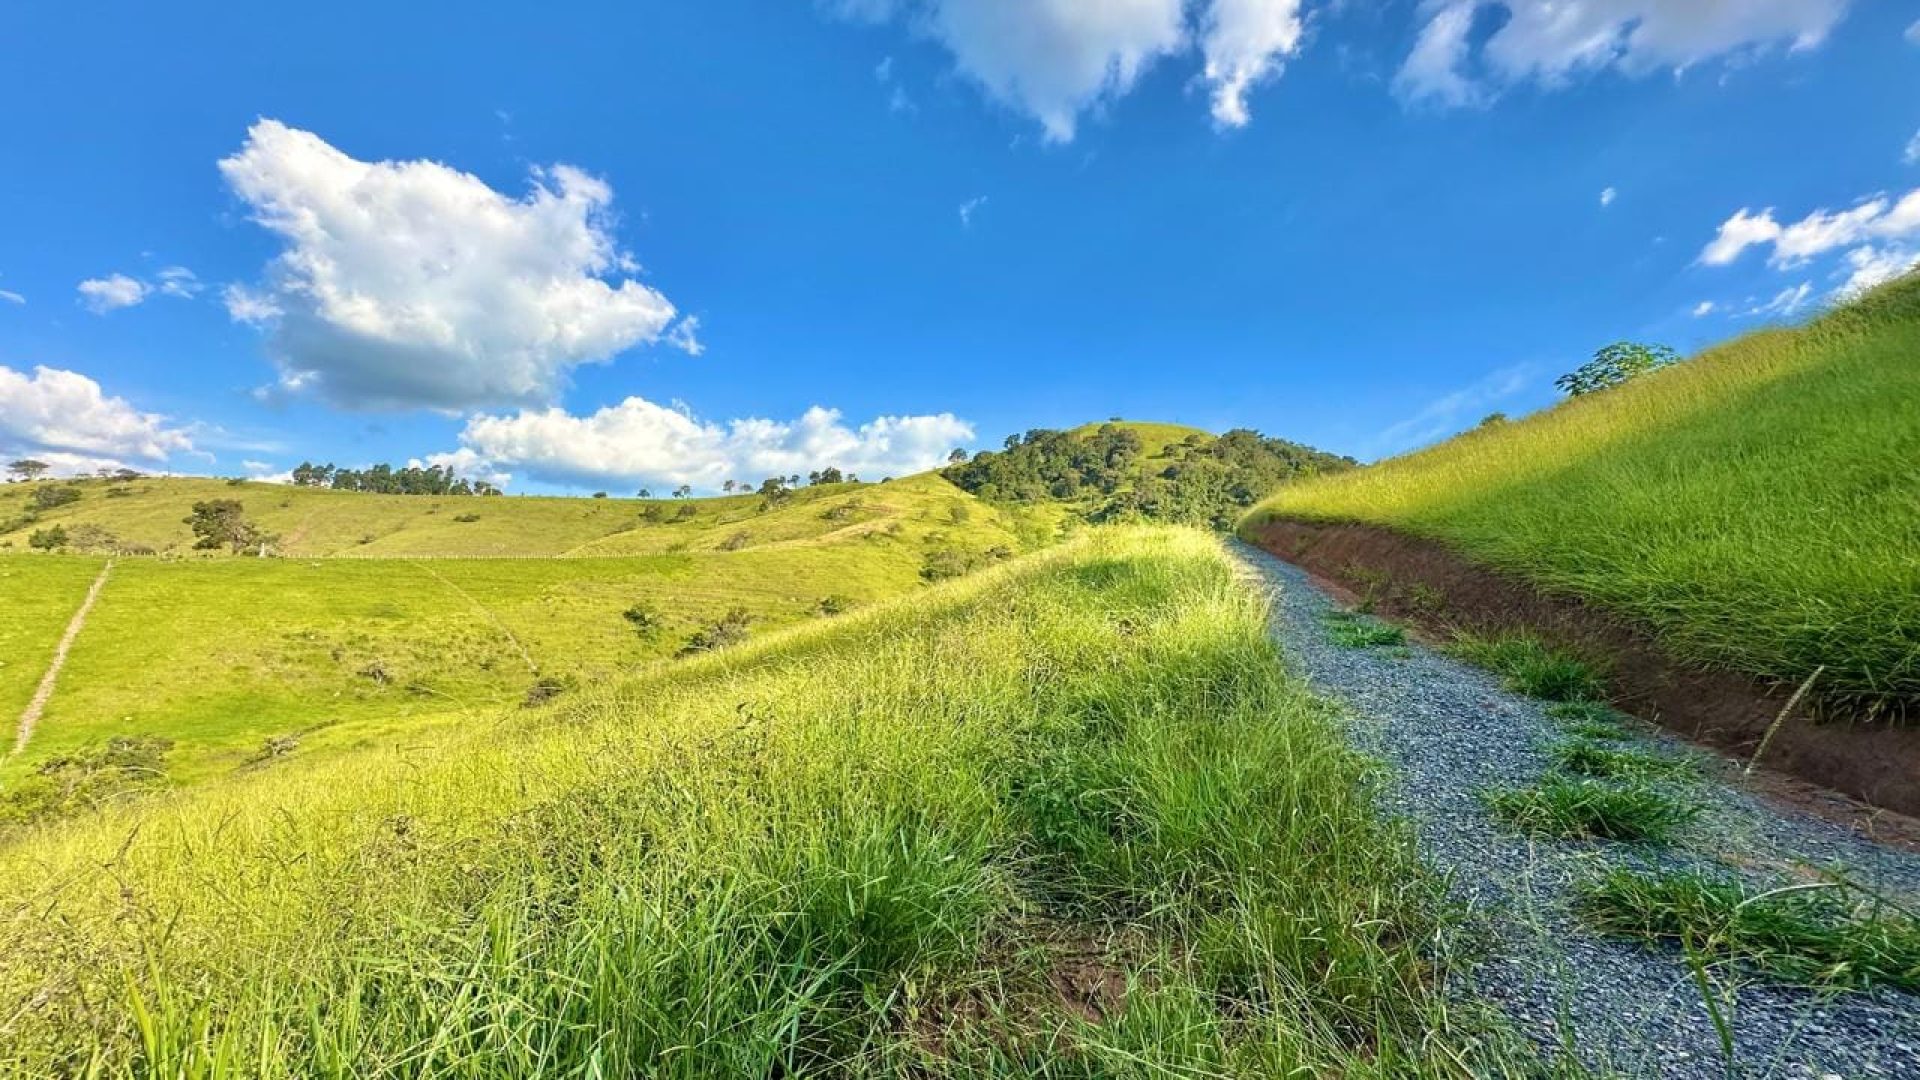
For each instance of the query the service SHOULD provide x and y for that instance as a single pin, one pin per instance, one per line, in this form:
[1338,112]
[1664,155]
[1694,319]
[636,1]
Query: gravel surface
[1449,731]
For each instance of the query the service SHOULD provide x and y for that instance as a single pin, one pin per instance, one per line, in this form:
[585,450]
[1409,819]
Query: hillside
[240,662]
[942,837]
[1756,508]
[1134,471]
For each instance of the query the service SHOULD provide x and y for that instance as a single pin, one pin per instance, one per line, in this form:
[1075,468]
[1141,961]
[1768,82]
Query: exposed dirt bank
[1437,590]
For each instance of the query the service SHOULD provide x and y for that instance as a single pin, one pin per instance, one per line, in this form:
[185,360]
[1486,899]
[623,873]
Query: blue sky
[645,244]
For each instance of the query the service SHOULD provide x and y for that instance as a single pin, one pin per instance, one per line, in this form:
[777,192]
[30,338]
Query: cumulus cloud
[1548,42]
[1245,43]
[110,293]
[1911,155]
[178,281]
[1703,309]
[1607,196]
[1878,218]
[65,418]
[639,441]
[412,284]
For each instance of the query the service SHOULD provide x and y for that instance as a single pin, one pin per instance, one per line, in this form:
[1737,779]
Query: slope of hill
[943,837]
[1758,507]
[237,662]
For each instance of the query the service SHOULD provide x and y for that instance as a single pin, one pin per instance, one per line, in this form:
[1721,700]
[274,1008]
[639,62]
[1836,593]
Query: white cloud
[1550,41]
[968,209]
[1452,411]
[1911,155]
[1607,196]
[1868,266]
[1819,233]
[639,441]
[180,282]
[412,284]
[685,336]
[1433,71]
[101,295]
[12,297]
[1245,43]
[1913,33]
[1703,309]
[1788,301]
[1051,59]
[56,412]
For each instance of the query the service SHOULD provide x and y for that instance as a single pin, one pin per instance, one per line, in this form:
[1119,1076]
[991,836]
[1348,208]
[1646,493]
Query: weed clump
[86,779]
[1530,666]
[1584,758]
[1820,935]
[1572,807]
[1361,632]
[730,629]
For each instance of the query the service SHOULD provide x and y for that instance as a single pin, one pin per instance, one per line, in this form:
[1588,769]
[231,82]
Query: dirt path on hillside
[44,692]
[1448,732]
[485,613]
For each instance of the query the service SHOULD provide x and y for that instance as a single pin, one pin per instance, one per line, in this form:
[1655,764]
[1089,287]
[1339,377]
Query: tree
[223,523]
[828,475]
[683,491]
[646,493]
[728,487]
[1616,364]
[46,498]
[48,539]
[28,468]
[956,456]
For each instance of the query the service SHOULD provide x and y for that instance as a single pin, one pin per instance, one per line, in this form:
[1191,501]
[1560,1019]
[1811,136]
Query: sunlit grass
[1757,507]
[827,852]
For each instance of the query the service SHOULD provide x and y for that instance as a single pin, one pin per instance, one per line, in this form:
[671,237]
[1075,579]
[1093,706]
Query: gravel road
[1448,731]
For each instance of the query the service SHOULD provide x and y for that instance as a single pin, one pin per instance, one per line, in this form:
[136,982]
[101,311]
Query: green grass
[1590,720]
[1360,632]
[860,848]
[1813,935]
[1573,807]
[1531,667]
[1756,508]
[221,654]
[1584,758]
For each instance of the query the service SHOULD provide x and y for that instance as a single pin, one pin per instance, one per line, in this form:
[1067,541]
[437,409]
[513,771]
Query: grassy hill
[1757,507]
[244,662]
[895,843]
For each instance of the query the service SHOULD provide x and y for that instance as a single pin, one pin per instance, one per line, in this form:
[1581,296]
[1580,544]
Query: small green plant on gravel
[1822,934]
[1589,720]
[1530,666]
[1360,632]
[1572,807]
[1585,758]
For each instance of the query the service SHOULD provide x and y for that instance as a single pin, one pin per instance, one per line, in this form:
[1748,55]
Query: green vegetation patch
[1755,507]
[1567,806]
[1585,758]
[1353,631]
[1530,666]
[890,843]
[1816,935]
[1590,720]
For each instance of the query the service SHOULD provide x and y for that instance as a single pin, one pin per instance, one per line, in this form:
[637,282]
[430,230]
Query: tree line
[384,479]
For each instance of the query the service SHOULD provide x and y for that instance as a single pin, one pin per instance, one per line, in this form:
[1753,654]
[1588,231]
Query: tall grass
[853,850]
[1757,507]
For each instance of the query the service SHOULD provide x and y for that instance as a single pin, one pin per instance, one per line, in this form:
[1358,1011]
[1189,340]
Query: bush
[466,519]
[50,496]
[736,541]
[645,618]
[686,512]
[730,630]
[85,779]
[943,563]
[48,539]
[833,605]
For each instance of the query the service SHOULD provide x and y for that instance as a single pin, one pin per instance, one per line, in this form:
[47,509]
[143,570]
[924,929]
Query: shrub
[645,618]
[545,689]
[686,512]
[1529,666]
[49,496]
[730,629]
[736,541]
[86,779]
[833,605]
[1568,807]
[48,539]
[943,563]
[654,514]
[466,519]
